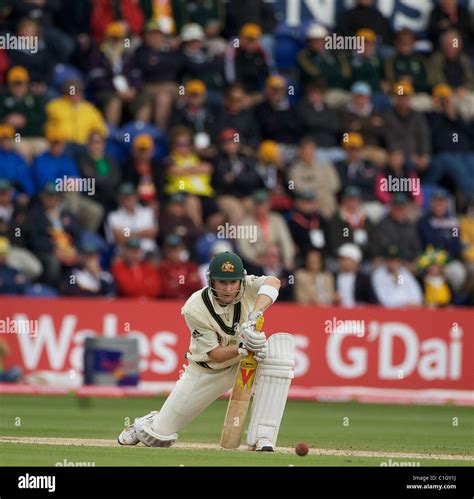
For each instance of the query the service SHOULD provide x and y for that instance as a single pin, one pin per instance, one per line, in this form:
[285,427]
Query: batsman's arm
[266,296]
[221,354]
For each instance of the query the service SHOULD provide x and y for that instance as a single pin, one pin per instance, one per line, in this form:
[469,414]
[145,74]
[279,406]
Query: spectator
[13,167]
[38,60]
[313,284]
[440,229]
[394,284]
[270,169]
[451,65]
[350,224]
[353,287]
[271,264]
[75,116]
[12,282]
[365,64]
[247,63]
[466,226]
[131,220]
[196,11]
[407,130]
[275,115]
[194,111]
[160,65]
[12,221]
[12,374]
[235,177]
[359,116]
[409,66]
[105,12]
[200,63]
[399,175]
[144,172]
[113,79]
[88,278]
[307,174]
[316,120]
[235,114]
[186,172]
[96,164]
[452,158]
[263,227]
[355,170]
[365,15]
[307,226]
[315,62]
[24,112]
[53,234]
[449,15]
[436,290]
[56,167]
[248,11]
[174,220]
[134,276]
[179,277]
[396,228]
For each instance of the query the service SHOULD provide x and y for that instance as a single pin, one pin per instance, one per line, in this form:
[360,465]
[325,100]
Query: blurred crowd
[141,137]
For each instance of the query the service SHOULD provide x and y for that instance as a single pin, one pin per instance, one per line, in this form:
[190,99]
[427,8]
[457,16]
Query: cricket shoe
[129,434]
[264,445]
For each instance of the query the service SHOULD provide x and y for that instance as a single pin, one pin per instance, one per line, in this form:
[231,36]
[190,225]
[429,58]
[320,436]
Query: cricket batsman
[221,319]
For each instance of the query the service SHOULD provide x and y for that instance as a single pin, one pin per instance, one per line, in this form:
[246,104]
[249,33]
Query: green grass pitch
[353,427]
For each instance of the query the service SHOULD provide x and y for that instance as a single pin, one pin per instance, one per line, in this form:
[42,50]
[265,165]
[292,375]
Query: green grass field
[369,428]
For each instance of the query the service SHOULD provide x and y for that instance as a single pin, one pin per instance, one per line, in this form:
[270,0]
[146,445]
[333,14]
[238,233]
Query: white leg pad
[148,437]
[272,383]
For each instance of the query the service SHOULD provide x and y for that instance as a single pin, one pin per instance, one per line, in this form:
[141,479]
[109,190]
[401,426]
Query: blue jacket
[11,281]
[49,168]
[15,169]
[439,233]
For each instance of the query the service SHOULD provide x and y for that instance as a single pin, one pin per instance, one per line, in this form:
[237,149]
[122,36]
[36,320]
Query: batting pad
[272,383]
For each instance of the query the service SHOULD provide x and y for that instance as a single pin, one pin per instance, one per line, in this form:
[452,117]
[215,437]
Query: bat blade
[239,401]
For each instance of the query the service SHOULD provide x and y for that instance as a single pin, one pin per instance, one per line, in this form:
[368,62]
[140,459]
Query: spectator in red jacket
[135,277]
[178,276]
[106,11]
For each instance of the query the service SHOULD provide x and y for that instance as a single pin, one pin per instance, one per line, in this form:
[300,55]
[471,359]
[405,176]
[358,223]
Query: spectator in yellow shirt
[467,237]
[76,117]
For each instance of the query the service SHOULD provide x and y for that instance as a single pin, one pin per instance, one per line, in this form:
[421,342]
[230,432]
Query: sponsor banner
[364,347]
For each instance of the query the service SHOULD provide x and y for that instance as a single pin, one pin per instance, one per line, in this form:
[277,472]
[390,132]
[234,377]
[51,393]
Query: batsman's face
[226,291]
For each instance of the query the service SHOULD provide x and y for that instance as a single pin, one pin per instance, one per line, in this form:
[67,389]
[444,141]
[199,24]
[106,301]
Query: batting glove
[251,339]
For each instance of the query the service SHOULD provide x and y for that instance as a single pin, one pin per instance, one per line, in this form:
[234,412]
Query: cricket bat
[240,399]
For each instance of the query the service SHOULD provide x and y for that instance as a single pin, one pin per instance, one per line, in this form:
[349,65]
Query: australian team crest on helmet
[227,267]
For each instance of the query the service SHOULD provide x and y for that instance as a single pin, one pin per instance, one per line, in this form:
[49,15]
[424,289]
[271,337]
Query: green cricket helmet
[227,266]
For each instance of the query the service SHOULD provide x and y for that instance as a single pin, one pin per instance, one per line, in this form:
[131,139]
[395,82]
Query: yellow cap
[442,90]
[4,245]
[403,88]
[251,30]
[367,34]
[143,141]
[276,81]
[18,73]
[55,134]
[116,29]
[268,151]
[353,140]
[6,131]
[195,87]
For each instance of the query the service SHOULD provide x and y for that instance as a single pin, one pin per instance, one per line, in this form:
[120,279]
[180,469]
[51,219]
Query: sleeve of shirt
[203,339]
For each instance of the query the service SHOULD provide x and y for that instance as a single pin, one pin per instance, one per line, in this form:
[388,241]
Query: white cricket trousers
[193,392]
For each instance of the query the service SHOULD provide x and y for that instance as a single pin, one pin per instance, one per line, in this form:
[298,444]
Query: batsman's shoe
[264,445]
[129,434]
[150,438]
